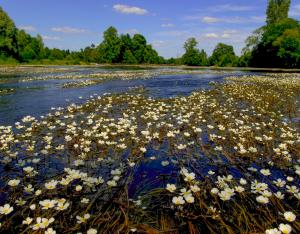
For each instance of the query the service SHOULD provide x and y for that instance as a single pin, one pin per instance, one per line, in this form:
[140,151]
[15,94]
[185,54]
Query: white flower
[116,172]
[265,172]
[42,223]
[28,170]
[6,209]
[279,183]
[165,163]
[185,192]
[20,202]
[92,231]
[189,176]
[214,191]
[83,219]
[50,231]
[292,189]
[47,204]
[29,188]
[13,183]
[27,221]
[273,231]
[111,183]
[85,200]
[195,188]
[297,195]
[290,179]
[266,193]
[239,189]
[68,138]
[243,181]
[51,185]
[189,199]
[181,147]
[38,192]
[171,187]
[143,149]
[78,188]
[226,194]
[289,216]
[62,205]
[178,200]
[279,195]
[262,199]
[285,228]
[210,172]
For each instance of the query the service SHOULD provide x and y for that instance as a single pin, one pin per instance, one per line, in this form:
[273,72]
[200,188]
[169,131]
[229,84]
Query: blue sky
[74,24]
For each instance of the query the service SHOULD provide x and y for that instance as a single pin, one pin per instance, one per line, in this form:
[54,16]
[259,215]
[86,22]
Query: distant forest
[276,44]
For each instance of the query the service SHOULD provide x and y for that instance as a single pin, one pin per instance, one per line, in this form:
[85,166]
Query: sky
[166,24]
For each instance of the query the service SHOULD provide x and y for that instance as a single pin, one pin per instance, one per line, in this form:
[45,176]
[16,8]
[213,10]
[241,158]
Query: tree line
[276,44]
[17,45]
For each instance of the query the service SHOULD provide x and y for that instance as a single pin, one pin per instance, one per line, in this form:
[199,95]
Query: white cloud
[68,30]
[50,38]
[232,20]
[295,10]
[159,43]
[174,33]
[231,7]
[211,35]
[230,36]
[168,25]
[210,20]
[27,28]
[125,9]
[226,35]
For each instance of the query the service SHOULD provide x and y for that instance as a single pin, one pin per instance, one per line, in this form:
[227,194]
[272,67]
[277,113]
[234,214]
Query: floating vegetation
[225,160]
[122,75]
[6,91]
[83,83]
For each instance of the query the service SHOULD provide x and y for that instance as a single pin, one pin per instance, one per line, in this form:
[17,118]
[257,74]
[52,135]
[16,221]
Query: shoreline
[184,67]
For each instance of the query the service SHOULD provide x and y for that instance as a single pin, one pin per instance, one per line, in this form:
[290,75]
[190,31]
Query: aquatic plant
[225,160]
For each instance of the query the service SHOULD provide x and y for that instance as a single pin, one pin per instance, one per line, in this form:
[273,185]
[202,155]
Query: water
[36,98]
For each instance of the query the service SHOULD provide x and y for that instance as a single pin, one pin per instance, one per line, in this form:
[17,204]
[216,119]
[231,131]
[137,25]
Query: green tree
[150,55]
[277,10]
[278,45]
[8,31]
[244,59]
[288,45]
[110,47]
[90,54]
[57,54]
[139,44]
[17,44]
[128,58]
[126,46]
[192,55]
[223,56]
[28,47]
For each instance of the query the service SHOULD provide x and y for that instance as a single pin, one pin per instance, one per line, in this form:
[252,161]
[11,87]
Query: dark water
[36,98]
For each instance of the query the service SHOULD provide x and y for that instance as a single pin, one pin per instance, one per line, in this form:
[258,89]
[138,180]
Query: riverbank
[147,66]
